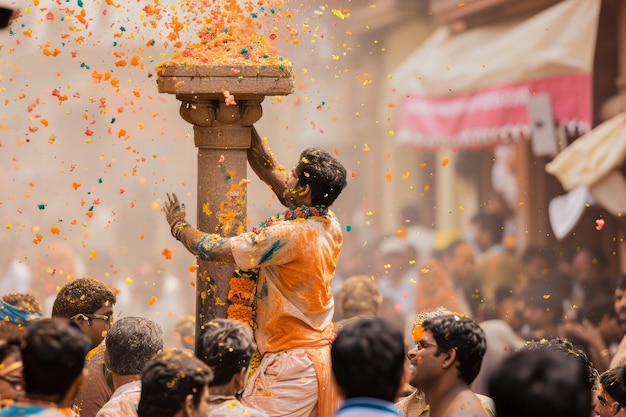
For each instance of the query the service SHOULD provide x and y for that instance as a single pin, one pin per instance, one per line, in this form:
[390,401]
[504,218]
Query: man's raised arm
[265,165]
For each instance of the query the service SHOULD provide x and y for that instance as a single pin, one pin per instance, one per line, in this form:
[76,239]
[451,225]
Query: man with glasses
[89,303]
[445,360]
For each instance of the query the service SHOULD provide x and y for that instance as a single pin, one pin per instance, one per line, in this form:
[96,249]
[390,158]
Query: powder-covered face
[602,404]
[97,328]
[423,358]
[291,195]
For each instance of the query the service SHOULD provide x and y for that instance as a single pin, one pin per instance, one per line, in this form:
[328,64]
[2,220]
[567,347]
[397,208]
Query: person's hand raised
[174,210]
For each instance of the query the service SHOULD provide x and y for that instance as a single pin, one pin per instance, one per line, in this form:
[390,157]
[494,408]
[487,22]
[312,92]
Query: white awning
[593,162]
[472,89]
[590,171]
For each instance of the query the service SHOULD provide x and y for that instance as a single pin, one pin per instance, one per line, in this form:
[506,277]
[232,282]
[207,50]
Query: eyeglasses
[421,345]
[15,382]
[107,319]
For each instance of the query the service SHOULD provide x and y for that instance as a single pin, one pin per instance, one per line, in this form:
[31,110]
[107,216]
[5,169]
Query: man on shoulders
[295,253]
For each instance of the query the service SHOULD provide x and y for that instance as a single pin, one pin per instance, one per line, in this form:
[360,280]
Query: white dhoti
[293,383]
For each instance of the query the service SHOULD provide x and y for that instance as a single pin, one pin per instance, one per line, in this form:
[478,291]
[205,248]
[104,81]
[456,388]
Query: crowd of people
[54,367]
[471,329]
[468,328]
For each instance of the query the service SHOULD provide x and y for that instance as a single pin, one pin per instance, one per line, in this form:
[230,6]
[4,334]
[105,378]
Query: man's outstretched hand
[174,211]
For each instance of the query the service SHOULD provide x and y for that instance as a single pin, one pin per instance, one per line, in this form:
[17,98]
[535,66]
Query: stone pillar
[222,134]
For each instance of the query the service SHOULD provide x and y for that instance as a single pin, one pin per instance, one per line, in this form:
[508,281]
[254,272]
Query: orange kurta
[294,300]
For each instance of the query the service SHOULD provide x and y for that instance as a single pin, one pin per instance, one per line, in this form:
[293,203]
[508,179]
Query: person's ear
[188,406]
[82,321]
[449,359]
[615,407]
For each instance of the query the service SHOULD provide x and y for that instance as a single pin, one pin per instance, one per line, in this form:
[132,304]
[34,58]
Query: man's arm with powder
[206,246]
[265,165]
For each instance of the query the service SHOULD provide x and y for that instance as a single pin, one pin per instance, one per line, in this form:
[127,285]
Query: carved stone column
[222,134]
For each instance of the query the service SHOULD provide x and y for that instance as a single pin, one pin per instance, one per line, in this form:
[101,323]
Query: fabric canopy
[590,171]
[472,89]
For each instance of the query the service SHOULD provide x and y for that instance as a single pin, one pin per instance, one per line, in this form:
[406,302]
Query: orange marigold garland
[241,289]
[242,302]
[241,297]
[241,313]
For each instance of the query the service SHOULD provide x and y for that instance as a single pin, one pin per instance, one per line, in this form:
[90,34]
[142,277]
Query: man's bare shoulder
[466,404]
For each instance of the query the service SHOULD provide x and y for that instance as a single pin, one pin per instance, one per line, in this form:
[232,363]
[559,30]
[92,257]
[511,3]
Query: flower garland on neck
[294,213]
[241,294]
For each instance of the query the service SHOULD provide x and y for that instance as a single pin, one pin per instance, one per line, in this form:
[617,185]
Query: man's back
[294,299]
[123,402]
[414,405]
[466,404]
[98,387]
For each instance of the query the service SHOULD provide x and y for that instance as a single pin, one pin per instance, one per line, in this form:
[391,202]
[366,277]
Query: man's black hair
[324,175]
[168,379]
[540,382]
[82,295]
[566,348]
[454,331]
[53,353]
[368,359]
[227,347]
[614,384]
